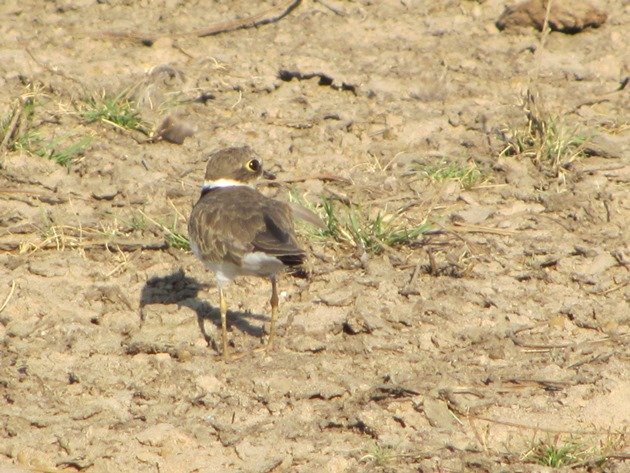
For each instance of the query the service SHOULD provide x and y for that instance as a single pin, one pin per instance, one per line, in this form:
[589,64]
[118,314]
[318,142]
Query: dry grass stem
[8,298]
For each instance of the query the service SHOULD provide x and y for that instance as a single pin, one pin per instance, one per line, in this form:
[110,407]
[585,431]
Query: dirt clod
[565,16]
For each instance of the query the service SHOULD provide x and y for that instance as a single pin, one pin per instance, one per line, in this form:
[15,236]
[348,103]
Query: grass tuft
[18,133]
[367,231]
[71,153]
[547,139]
[32,142]
[177,240]
[556,456]
[138,223]
[380,456]
[172,235]
[572,452]
[467,175]
[66,155]
[118,111]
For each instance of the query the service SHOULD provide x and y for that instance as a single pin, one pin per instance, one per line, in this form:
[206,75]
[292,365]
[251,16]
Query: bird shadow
[178,288]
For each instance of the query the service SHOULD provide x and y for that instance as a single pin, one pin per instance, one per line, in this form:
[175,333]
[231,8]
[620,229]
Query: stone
[565,16]
[438,414]
[474,214]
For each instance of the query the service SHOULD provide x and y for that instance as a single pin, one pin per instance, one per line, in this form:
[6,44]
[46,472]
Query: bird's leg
[223,309]
[274,312]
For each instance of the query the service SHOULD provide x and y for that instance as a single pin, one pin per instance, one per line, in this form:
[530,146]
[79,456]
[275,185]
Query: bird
[237,231]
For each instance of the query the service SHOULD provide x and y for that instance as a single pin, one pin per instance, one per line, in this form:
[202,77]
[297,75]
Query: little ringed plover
[237,231]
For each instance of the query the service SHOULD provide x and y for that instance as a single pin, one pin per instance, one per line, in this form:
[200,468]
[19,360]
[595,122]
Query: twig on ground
[593,359]
[478,436]
[538,346]
[538,428]
[617,456]
[611,289]
[480,229]
[433,268]
[409,288]
[6,301]
[268,16]
[535,71]
[47,198]
[335,10]
[13,124]
[271,15]
[319,177]
[128,246]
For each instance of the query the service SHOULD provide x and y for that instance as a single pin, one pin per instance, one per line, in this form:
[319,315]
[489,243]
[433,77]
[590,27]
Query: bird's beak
[269,175]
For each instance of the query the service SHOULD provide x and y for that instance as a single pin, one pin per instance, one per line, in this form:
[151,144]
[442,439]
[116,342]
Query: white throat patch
[222,183]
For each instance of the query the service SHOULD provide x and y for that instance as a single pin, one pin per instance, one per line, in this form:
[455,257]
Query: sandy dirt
[458,351]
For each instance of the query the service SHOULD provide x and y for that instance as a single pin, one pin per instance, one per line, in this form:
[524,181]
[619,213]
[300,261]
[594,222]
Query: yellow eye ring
[253,165]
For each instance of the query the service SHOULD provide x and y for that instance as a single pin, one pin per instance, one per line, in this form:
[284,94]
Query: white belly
[253,264]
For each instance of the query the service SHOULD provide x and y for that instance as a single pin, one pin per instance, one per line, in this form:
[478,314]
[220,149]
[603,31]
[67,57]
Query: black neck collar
[207,190]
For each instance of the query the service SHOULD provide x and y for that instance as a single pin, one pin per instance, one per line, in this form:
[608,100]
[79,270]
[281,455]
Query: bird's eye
[253,165]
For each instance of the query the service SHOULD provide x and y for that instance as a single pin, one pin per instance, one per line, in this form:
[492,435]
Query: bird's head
[233,167]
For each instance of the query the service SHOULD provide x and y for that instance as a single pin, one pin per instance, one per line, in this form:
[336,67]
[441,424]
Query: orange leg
[274,313]
[223,309]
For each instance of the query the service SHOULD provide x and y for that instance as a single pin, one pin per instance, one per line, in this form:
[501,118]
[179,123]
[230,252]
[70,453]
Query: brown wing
[227,223]
[276,237]
[306,215]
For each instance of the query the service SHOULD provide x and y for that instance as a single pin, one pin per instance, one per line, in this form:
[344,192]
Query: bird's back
[239,226]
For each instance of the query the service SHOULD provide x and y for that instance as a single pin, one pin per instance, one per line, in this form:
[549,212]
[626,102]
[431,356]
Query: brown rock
[438,414]
[567,17]
[605,146]
[160,434]
[47,269]
[597,265]
[105,192]
[173,130]
[474,214]
[306,343]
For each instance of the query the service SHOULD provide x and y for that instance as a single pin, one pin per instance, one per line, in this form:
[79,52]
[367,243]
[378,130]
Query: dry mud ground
[512,333]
